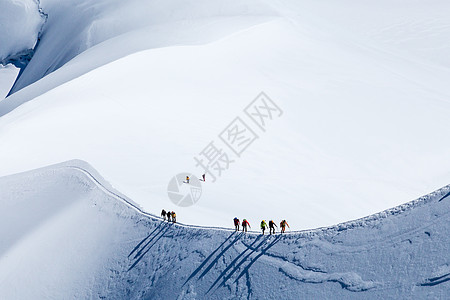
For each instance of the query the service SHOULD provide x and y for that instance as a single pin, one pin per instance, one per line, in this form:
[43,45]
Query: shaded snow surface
[67,234]
[8,74]
[21,22]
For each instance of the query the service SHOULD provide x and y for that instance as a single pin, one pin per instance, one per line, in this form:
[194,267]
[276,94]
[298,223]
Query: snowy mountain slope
[415,29]
[410,28]
[153,36]
[358,133]
[364,119]
[75,26]
[76,237]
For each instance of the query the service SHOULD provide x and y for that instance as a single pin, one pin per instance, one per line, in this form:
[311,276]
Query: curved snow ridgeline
[140,88]
[66,233]
[73,27]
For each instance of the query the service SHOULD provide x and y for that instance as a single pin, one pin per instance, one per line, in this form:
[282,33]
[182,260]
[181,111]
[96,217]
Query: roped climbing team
[263,225]
[172,217]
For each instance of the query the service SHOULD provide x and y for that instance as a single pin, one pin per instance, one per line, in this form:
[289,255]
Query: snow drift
[67,234]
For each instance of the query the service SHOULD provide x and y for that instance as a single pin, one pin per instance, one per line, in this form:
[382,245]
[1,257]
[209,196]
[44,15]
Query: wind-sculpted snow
[67,234]
[21,23]
[350,280]
[133,25]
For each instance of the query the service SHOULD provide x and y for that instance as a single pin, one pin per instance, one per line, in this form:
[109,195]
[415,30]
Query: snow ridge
[85,168]
[127,253]
[332,138]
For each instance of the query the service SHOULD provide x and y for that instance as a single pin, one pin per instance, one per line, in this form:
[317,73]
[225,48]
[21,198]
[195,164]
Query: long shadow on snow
[162,230]
[207,259]
[139,255]
[141,242]
[448,194]
[216,260]
[437,280]
[263,252]
[224,272]
[246,269]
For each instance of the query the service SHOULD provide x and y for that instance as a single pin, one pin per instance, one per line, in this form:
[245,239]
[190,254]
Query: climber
[283,225]
[271,226]
[174,217]
[245,223]
[236,223]
[263,226]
